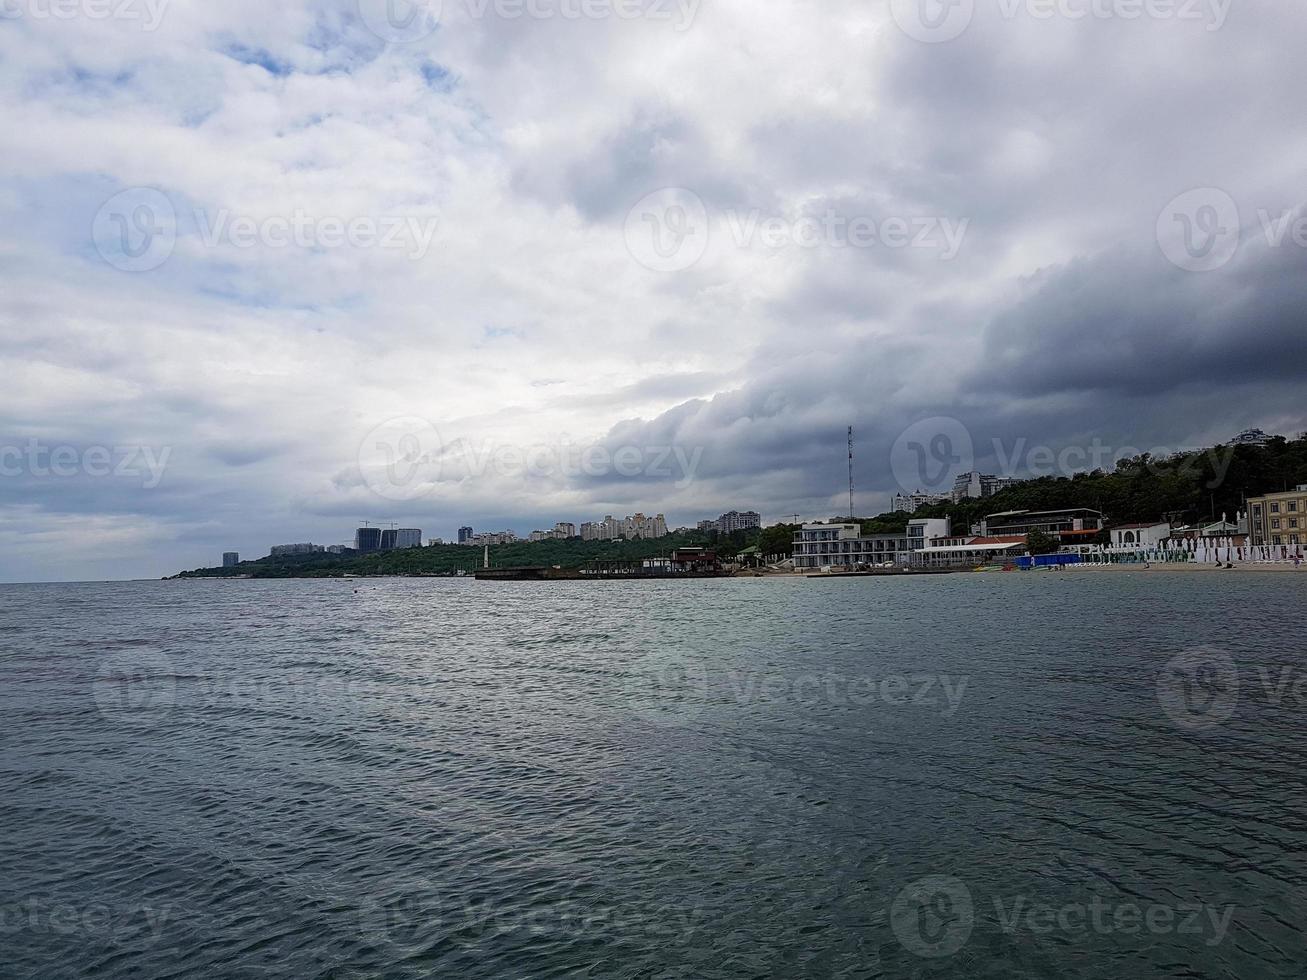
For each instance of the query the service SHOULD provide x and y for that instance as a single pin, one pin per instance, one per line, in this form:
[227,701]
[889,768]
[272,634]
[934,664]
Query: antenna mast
[850,473]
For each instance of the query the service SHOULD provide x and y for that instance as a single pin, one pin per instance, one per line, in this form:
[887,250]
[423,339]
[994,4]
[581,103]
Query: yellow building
[1279,518]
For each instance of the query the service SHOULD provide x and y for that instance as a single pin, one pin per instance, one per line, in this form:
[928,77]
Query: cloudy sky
[271,269]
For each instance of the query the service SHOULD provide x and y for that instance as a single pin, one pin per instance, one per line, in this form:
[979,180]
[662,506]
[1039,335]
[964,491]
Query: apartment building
[1279,518]
[732,521]
[909,502]
[629,528]
[976,486]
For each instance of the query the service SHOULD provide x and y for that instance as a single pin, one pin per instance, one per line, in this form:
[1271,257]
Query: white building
[564,529]
[733,521]
[630,528]
[1147,535]
[909,502]
[1250,437]
[845,546]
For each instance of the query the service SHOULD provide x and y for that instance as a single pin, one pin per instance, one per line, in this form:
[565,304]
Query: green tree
[1041,543]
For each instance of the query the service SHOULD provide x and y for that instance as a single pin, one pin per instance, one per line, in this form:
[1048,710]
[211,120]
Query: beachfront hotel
[844,545]
[1279,518]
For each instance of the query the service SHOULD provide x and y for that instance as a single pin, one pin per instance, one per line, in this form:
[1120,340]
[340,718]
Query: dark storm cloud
[1129,322]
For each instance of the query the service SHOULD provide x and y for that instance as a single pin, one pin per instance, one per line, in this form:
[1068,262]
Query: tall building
[733,521]
[230,559]
[1279,518]
[388,538]
[564,529]
[976,486]
[909,502]
[629,528]
[367,540]
[465,535]
[408,537]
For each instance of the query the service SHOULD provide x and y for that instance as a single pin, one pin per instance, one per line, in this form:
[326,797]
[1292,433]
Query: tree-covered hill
[1189,487]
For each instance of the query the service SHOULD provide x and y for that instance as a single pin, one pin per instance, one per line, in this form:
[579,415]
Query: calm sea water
[1079,775]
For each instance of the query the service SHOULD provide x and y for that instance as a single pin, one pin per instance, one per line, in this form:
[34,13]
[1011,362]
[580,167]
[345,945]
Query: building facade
[367,540]
[408,537]
[845,546]
[230,559]
[630,528]
[1074,520]
[1250,437]
[908,503]
[1278,518]
[734,520]
[1142,536]
[465,535]
[976,486]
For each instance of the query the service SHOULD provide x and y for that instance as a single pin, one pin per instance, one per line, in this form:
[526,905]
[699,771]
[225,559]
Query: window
[1293,522]
[1275,522]
[1275,540]
[1257,510]
[1275,508]
[1293,506]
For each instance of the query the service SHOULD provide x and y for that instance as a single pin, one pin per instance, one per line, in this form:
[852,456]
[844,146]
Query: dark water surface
[1079,775]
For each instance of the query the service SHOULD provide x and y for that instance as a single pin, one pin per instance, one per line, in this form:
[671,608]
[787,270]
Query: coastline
[1187,567]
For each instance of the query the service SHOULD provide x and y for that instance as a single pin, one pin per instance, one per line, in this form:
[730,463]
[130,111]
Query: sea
[1072,775]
